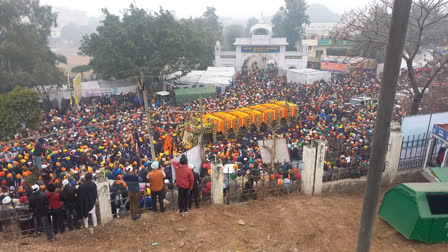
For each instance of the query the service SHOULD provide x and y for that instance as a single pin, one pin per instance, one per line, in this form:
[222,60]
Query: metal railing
[413,151]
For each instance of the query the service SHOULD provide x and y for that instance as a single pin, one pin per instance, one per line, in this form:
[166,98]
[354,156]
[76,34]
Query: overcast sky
[187,8]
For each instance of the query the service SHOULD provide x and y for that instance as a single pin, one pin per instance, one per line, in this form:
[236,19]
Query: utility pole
[394,50]
[141,85]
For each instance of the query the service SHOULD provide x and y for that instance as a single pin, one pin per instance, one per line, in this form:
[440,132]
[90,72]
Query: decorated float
[251,118]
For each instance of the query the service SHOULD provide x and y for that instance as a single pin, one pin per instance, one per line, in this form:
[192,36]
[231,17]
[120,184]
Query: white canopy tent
[306,75]
[220,77]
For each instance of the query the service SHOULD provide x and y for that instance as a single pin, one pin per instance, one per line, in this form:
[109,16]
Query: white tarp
[193,157]
[307,75]
[281,151]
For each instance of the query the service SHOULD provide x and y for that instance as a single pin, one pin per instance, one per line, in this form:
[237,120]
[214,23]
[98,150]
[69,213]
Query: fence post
[217,183]
[104,207]
[393,156]
[313,167]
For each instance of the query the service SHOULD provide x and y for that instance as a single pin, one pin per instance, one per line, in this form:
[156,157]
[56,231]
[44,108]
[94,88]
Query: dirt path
[298,223]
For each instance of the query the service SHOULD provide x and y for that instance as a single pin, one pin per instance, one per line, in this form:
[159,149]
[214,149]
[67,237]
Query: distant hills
[322,14]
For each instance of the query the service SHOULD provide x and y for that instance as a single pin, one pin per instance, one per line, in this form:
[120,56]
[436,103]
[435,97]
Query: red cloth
[184,175]
[53,200]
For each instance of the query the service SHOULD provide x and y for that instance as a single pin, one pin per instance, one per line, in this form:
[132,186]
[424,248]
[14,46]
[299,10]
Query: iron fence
[413,151]
[345,165]
[265,181]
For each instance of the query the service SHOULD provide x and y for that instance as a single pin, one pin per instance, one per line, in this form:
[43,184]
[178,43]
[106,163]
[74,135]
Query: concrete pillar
[320,161]
[313,167]
[217,183]
[103,201]
[393,156]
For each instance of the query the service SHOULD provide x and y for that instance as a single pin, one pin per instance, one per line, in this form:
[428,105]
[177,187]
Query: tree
[202,34]
[369,28]
[81,69]
[289,22]
[19,109]
[232,32]
[151,43]
[250,22]
[212,21]
[25,58]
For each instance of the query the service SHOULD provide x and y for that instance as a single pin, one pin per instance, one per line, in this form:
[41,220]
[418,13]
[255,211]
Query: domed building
[261,48]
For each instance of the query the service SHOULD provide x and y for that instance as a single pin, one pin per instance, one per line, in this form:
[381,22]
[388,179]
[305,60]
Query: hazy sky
[186,8]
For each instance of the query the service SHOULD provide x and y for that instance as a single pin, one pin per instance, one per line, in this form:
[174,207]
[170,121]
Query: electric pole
[394,50]
[141,84]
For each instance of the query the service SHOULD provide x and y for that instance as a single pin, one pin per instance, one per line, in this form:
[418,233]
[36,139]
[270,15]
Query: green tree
[19,109]
[211,20]
[25,58]
[250,22]
[230,33]
[149,43]
[81,69]
[289,22]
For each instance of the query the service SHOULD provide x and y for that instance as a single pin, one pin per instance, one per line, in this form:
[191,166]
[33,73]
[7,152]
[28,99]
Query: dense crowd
[111,133]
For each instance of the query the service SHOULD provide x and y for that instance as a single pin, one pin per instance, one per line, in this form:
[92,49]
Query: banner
[77,88]
[260,49]
[100,92]
[336,67]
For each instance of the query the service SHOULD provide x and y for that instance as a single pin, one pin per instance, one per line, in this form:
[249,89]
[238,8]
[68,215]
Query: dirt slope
[298,223]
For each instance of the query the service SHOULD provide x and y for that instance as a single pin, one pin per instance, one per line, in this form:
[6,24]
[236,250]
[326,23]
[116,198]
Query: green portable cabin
[184,95]
[419,211]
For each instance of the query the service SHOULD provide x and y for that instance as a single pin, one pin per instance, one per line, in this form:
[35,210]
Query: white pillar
[313,167]
[217,184]
[103,201]
[320,161]
[393,156]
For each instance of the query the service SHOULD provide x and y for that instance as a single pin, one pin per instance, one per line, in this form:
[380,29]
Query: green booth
[184,95]
[419,211]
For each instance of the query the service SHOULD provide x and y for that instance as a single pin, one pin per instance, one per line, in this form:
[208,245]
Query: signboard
[293,57]
[77,88]
[439,131]
[260,49]
[228,56]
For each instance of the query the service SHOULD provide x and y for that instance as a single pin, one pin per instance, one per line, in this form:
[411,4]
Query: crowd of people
[110,134]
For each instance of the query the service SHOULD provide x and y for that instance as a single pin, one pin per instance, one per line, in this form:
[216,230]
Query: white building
[318,30]
[262,48]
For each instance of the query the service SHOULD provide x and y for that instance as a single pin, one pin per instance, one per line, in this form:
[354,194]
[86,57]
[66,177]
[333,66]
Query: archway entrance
[261,61]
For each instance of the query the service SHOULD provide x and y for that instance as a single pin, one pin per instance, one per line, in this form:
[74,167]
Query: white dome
[261,26]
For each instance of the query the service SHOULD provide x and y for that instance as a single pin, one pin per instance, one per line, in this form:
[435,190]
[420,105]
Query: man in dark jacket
[37,154]
[131,180]
[68,197]
[39,205]
[194,193]
[87,194]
